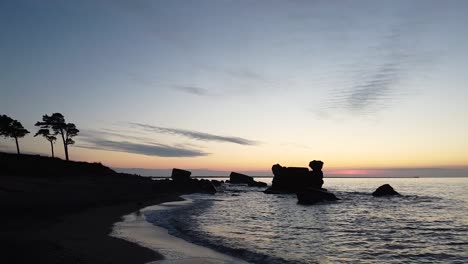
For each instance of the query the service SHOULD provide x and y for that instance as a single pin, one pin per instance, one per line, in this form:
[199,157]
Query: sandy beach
[64,212]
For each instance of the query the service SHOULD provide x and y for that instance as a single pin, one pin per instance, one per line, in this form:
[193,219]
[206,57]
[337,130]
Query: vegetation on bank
[32,165]
[50,127]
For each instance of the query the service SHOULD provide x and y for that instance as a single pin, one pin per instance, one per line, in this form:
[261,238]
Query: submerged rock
[385,190]
[312,196]
[239,178]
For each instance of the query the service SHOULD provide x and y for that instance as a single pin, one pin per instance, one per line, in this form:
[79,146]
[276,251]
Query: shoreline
[134,228]
[82,236]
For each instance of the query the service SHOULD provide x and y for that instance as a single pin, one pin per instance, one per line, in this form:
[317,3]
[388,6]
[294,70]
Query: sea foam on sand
[135,228]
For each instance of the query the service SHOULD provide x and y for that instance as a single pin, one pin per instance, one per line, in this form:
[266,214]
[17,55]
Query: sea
[427,224]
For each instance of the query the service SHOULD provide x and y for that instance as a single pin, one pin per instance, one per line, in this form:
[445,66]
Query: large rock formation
[294,179]
[312,196]
[239,178]
[385,190]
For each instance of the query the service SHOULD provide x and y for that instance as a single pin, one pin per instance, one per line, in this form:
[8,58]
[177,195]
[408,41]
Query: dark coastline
[66,214]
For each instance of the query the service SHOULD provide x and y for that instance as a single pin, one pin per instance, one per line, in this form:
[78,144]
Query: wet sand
[135,228]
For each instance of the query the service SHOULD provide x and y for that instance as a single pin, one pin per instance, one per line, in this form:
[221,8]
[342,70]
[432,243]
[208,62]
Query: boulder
[312,196]
[239,178]
[385,190]
[179,175]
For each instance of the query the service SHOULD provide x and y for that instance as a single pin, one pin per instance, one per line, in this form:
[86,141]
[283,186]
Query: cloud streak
[94,140]
[196,135]
[158,150]
[193,90]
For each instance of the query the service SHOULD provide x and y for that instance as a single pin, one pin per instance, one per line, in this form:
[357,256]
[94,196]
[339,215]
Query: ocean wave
[416,227]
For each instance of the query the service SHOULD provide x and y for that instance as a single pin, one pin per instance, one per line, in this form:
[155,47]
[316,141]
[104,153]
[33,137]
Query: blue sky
[241,85]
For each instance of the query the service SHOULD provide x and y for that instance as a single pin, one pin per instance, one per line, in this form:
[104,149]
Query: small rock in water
[239,178]
[385,190]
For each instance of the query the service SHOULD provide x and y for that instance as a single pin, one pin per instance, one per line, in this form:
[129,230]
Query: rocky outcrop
[239,178]
[181,182]
[312,196]
[385,190]
[295,179]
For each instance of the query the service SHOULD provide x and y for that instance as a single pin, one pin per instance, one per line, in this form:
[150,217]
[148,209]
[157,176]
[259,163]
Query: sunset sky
[241,85]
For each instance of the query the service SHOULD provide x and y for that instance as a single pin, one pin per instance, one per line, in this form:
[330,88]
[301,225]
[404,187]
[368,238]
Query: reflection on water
[427,224]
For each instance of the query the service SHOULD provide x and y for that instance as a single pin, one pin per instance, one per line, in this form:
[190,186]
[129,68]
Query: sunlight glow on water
[428,224]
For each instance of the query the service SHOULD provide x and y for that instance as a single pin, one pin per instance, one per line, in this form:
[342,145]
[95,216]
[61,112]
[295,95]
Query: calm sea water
[429,224]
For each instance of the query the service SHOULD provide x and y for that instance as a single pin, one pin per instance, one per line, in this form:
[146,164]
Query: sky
[365,86]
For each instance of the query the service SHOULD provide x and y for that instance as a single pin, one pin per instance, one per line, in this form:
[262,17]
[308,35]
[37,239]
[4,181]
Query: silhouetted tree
[57,123]
[50,137]
[12,128]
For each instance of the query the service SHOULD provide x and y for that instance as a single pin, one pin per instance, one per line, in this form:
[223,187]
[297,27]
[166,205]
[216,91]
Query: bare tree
[57,123]
[49,137]
[12,128]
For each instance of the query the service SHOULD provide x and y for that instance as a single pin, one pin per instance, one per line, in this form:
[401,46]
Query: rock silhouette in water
[316,175]
[294,179]
[179,175]
[239,178]
[385,190]
[183,183]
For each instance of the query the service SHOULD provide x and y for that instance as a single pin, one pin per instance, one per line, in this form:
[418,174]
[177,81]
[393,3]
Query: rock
[217,183]
[181,182]
[312,196]
[258,184]
[179,175]
[204,186]
[385,190]
[316,175]
[294,179]
[239,178]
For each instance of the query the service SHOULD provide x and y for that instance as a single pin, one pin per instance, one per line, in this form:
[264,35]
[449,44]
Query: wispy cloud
[196,135]
[97,140]
[377,75]
[371,93]
[193,90]
[246,74]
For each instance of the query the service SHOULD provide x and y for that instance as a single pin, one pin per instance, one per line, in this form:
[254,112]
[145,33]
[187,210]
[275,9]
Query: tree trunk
[66,152]
[17,145]
[52,147]
[65,146]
